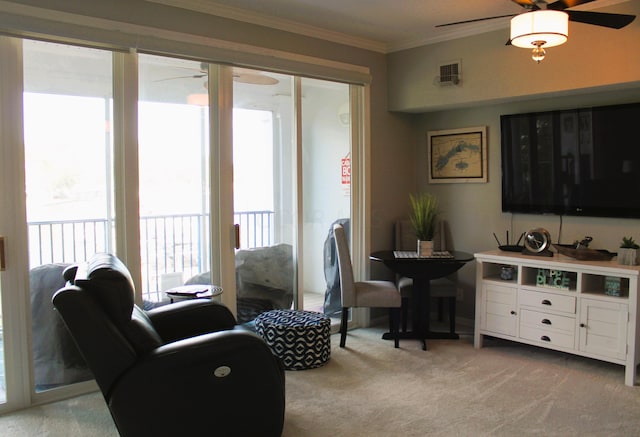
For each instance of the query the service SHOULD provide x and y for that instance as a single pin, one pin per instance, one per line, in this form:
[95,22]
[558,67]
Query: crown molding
[212,8]
[470,29]
[224,11]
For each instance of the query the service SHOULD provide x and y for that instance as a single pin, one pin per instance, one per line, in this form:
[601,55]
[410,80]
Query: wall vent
[450,74]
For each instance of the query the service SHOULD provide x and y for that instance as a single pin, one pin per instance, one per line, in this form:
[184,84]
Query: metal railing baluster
[68,241]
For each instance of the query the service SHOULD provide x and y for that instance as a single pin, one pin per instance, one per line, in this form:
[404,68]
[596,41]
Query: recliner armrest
[189,318]
[69,273]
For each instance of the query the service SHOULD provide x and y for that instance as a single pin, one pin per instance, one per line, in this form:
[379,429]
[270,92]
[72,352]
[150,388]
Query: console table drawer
[548,322]
[547,301]
[547,336]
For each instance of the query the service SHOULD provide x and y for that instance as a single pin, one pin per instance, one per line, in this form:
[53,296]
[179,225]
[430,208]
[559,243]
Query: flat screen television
[583,161]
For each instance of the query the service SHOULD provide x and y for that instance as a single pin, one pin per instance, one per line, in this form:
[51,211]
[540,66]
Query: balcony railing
[169,244]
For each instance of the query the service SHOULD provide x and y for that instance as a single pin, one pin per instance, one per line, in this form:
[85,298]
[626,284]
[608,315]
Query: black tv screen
[582,161]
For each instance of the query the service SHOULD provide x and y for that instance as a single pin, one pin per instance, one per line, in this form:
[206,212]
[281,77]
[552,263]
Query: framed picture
[457,155]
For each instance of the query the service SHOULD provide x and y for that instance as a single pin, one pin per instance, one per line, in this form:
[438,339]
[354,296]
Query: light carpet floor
[371,389]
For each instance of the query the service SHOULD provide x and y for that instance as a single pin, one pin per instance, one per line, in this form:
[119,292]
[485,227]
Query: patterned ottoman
[300,338]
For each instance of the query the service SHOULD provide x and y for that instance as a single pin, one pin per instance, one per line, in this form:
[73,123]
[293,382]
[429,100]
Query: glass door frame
[13,226]
[360,115]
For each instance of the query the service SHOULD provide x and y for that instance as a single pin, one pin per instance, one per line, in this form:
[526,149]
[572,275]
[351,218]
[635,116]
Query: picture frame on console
[457,155]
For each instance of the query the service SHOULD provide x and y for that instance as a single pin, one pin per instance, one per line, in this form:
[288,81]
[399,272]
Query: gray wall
[593,58]
[473,211]
[595,67]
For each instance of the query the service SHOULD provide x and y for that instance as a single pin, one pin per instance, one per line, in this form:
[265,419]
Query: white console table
[560,303]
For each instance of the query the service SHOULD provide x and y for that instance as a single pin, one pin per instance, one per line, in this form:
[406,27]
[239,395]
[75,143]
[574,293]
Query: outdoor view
[69,158]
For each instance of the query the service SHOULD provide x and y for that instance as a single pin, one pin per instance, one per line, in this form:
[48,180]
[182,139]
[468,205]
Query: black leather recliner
[180,369]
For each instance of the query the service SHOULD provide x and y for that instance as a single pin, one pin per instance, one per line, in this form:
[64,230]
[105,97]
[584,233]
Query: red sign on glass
[346,171]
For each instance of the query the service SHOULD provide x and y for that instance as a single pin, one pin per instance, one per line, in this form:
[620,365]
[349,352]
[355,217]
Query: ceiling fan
[543,24]
[241,75]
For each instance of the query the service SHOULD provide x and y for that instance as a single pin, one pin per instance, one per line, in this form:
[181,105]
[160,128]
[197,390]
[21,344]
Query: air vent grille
[450,74]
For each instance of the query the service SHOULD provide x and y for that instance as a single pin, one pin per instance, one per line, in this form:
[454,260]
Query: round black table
[422,271]
[195,291]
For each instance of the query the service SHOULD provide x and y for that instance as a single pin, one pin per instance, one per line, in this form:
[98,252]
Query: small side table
[196,291]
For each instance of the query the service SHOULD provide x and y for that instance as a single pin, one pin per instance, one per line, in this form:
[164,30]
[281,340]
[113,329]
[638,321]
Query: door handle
[3,264]
[236,229]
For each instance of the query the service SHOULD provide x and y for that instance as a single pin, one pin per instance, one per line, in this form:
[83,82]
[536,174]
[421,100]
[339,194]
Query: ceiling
[380,25]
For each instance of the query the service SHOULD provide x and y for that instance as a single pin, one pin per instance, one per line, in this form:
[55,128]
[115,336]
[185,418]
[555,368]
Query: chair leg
[343,326]
[452,314]
[405,313]
[394,320]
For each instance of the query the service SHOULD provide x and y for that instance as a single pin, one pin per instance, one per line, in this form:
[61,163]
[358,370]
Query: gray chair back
[345,266]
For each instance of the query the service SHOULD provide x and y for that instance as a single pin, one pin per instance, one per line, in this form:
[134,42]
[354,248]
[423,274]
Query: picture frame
[457,155]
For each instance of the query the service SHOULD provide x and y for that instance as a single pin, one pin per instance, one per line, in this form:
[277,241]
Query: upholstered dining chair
[442,288]
[365,294]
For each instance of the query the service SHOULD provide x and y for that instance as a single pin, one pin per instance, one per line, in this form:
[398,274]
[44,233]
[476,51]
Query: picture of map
[457,155]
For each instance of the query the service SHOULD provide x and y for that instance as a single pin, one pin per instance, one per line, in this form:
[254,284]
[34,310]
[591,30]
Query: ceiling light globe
[538,54]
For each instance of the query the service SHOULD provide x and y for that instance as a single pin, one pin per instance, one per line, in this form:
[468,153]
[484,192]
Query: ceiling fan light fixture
[539,30]
[538,54]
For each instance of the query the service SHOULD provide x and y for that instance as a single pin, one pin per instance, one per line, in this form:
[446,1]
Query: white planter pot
[425,248]
[628,257]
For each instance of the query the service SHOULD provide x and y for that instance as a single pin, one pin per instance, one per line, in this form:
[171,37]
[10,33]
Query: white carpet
[504,389]
[371,389]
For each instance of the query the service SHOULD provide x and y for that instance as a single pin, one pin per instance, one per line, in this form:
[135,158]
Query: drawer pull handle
[545,338]
[546,302]
[513,312]
[546,321]
[582,325]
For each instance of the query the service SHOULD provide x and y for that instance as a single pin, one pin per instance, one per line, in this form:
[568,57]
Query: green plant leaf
[629,243]
[424,211]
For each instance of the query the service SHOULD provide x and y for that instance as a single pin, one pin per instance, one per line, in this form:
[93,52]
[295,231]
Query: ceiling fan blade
[530,5]
[475,20]
[605,19]
[255,79]
[561,5]
[193,76]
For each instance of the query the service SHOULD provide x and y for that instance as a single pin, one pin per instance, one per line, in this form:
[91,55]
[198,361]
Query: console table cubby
[587,308]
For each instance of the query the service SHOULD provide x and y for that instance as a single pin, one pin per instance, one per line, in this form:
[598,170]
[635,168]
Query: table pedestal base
[422,338]
[422,271]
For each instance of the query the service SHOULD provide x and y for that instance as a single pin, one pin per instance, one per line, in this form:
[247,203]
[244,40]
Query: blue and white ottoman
[300,338]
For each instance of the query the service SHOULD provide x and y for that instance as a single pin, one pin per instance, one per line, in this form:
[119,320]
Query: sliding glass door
[292,166]
[173,144]
[69,174]
[264,191]
[326,183]
[144,178]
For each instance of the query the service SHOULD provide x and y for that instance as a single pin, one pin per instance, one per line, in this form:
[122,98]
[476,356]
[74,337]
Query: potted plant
[628,252]
[424,210]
